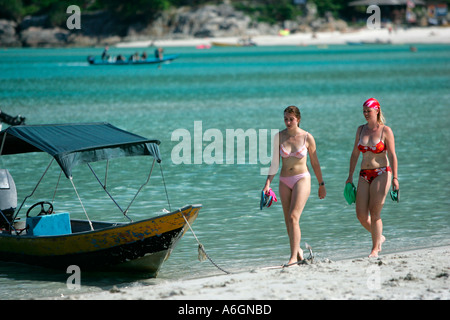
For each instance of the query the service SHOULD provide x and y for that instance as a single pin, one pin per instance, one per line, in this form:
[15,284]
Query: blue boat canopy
[77,143]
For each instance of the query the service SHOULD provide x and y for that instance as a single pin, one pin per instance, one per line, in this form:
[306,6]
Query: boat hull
[167,58]
[225,44]
[140,246]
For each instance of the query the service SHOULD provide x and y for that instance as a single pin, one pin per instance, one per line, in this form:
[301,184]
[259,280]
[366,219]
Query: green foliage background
[145,10]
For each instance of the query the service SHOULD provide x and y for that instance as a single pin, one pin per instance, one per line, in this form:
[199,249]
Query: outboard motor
[8,199]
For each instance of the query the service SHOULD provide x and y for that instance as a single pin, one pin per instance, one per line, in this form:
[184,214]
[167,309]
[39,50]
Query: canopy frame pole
[32,192]
[143,185]
[57,184]
[106,173]
[87,217]
[3,143]
[165,188]
[109,194]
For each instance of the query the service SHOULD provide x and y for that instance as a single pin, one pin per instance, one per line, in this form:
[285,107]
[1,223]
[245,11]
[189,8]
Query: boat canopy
[76,143]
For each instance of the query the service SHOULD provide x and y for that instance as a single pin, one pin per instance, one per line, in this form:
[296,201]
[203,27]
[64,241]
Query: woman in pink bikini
[376,142]
[293,144]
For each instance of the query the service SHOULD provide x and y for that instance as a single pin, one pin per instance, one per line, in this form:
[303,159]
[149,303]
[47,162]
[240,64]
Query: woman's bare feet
[293,262]
[300,254]
[374,254]
[375,251]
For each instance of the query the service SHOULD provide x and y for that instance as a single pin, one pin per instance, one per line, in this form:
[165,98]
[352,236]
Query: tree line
[271,11]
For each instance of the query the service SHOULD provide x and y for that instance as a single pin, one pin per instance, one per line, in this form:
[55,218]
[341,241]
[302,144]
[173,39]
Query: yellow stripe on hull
[159,233]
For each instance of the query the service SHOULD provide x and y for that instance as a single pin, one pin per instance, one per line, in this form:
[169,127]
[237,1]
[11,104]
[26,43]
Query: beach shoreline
[420,274]
[425,35]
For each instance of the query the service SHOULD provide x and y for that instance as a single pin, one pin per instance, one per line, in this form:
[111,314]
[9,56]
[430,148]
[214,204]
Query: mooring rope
[202,248]
[164,183]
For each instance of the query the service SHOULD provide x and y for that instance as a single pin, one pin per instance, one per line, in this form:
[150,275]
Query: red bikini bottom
[370,174]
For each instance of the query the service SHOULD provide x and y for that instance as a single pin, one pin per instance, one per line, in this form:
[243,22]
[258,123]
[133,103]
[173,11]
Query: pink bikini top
[302,152]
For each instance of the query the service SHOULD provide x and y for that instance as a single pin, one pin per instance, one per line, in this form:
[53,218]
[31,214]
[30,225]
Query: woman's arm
[275,164]
[316,165]
[354,157]
[392,156]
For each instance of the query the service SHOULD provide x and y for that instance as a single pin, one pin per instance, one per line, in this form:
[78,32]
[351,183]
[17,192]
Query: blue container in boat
[49,225]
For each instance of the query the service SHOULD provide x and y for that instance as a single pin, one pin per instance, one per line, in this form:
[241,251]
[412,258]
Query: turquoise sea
[230,89]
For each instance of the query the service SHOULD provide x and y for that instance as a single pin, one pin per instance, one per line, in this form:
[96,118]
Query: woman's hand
[322,192]
[395,184]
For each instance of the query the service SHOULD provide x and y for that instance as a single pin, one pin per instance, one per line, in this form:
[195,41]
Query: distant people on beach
[376,142]
[293,145]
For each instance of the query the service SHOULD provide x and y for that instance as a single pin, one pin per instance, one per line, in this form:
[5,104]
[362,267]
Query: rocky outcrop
[211,21]
[43,37]
[102,28]
[8,34]
[205,22]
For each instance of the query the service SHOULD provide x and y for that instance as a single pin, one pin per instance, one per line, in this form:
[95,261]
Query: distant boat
[116,62]
[203,46]
[358,43]
[240,43]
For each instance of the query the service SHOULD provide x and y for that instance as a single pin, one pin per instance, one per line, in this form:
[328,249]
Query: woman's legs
[378,191]
[293,202]
[369,202]
[362,203]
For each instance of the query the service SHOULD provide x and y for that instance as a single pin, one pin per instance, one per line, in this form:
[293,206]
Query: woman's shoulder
[309,137]
[359,129]
[304,135]
[387,130]
[279,134]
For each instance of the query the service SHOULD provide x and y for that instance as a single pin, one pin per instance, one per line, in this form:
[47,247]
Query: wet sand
[414,275]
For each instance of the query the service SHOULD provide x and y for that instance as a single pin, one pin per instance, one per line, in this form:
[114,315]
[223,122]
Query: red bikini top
[378,148]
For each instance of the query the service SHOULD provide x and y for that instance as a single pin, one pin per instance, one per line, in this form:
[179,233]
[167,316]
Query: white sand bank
[420,274]
[401,36]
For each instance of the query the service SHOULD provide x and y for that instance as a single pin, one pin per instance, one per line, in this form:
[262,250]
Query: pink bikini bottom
[292,180]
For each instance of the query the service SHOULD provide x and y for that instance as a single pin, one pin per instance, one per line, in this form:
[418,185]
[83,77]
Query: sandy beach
[414,275]
[427,35]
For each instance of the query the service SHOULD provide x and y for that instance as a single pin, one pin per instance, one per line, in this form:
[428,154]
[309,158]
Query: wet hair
[295,111]
[380,117]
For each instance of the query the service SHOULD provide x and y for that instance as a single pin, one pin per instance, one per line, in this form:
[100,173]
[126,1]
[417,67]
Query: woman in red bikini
[376,142]
[293,145]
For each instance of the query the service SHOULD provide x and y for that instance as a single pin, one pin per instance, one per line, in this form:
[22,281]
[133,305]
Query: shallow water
[237,88]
